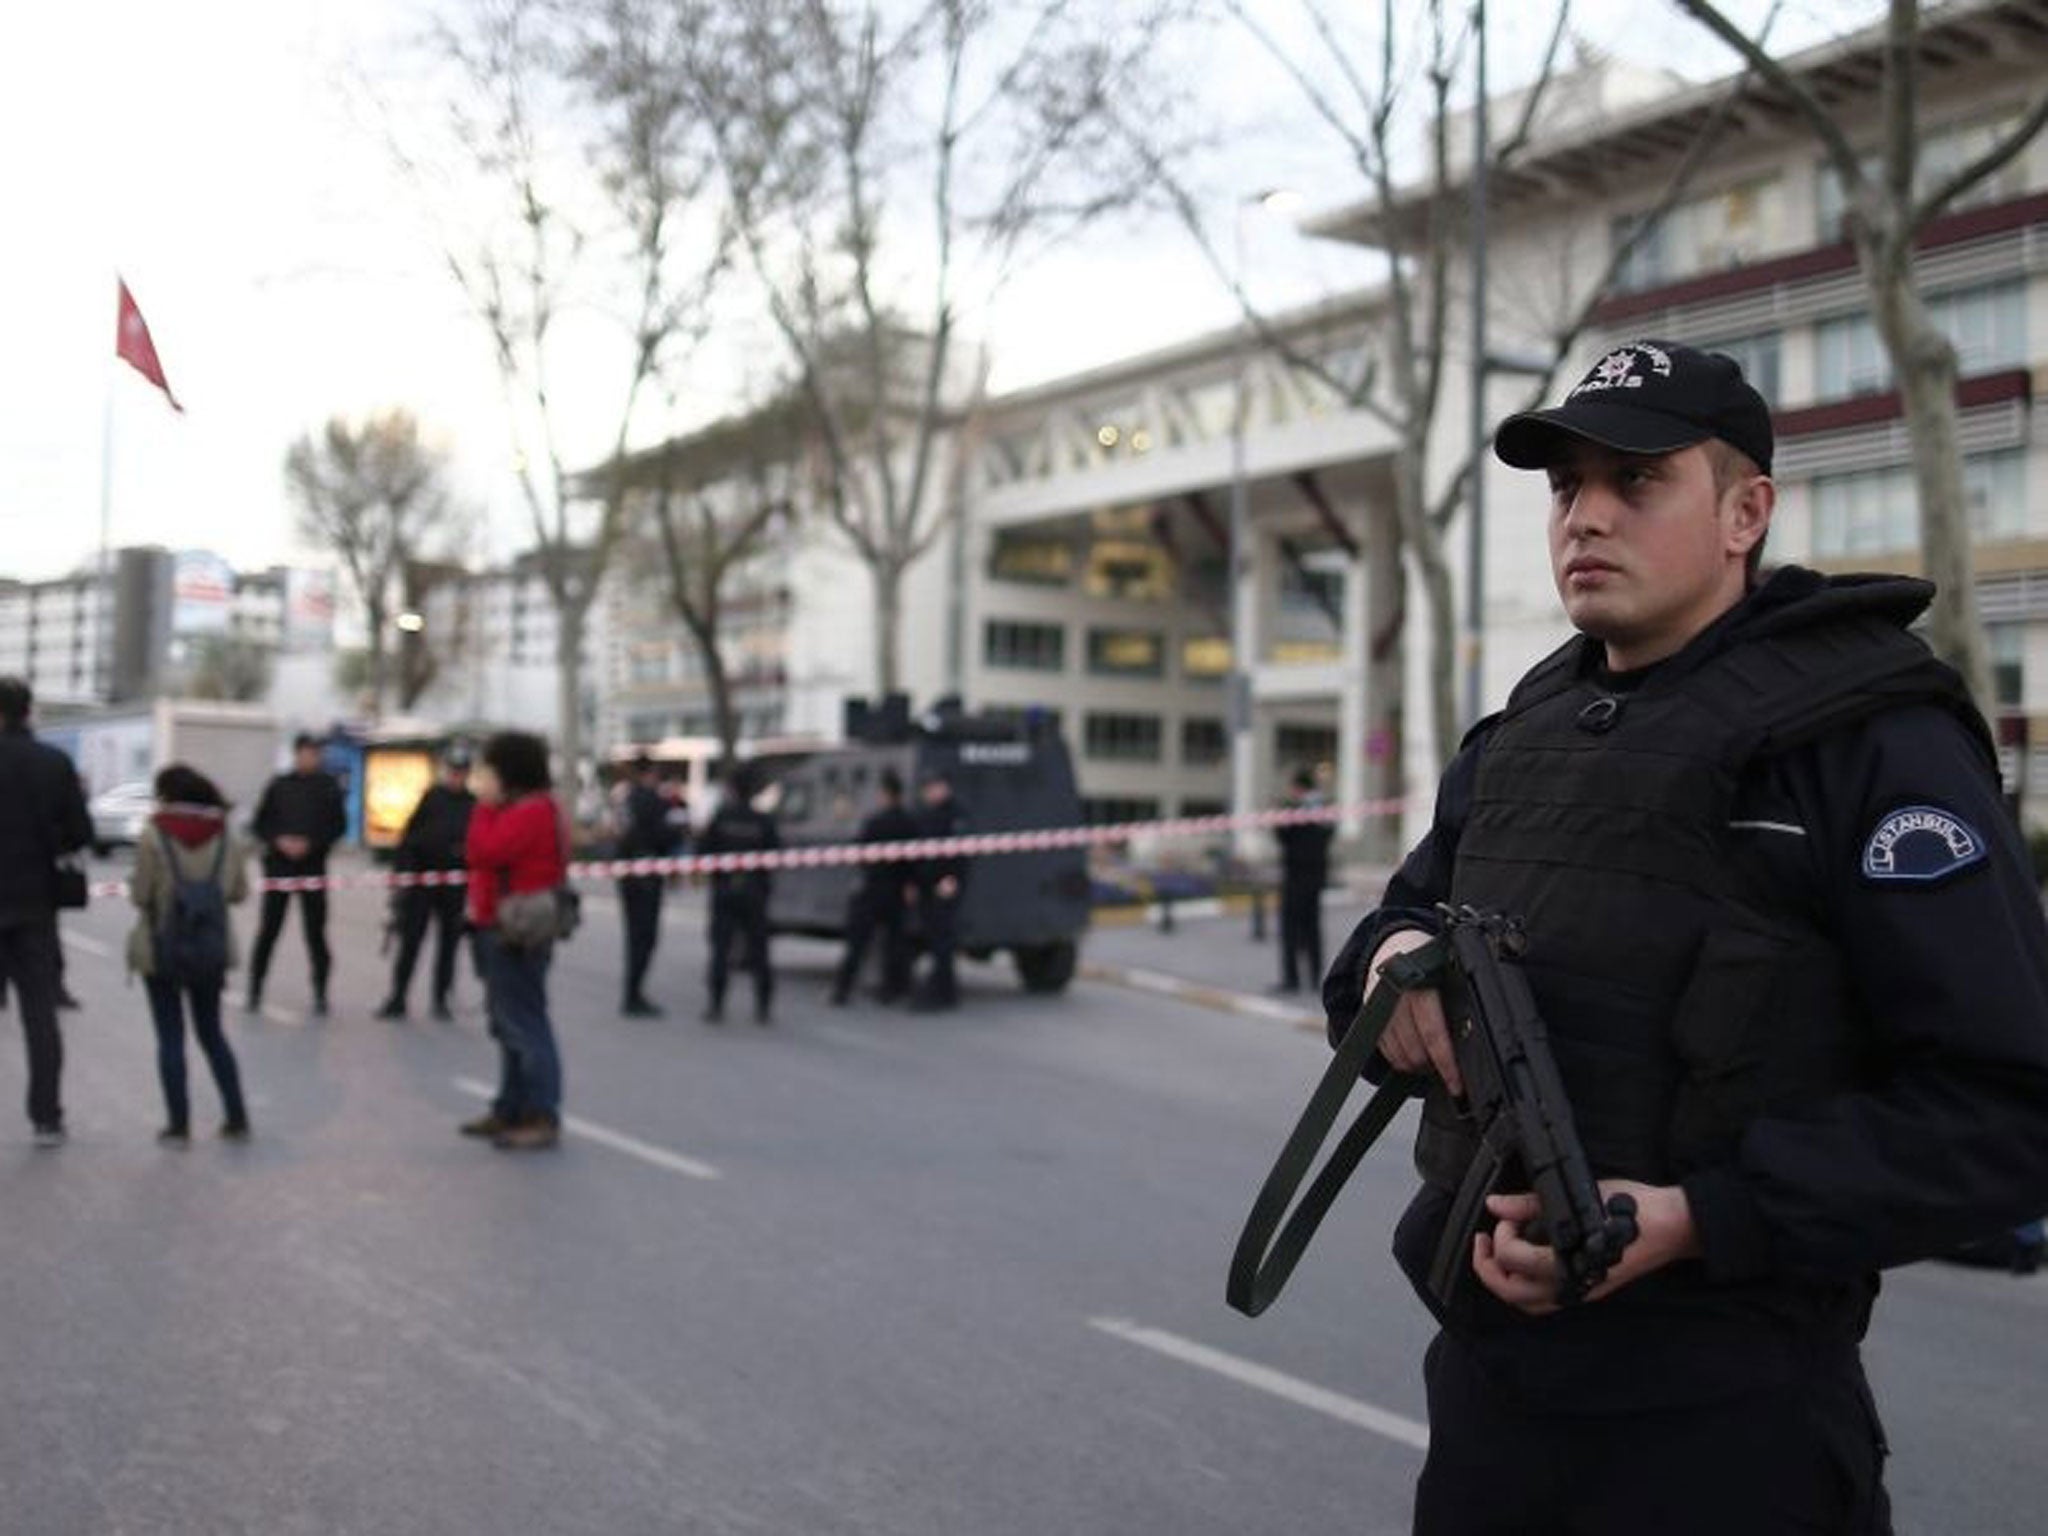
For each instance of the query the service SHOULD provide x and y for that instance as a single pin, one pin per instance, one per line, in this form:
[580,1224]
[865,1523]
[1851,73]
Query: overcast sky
[219,155]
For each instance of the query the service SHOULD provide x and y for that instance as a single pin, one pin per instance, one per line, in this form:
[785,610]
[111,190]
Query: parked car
[119,815]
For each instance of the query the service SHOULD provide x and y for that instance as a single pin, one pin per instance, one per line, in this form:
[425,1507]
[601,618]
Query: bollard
[1166,912]
[1258,914]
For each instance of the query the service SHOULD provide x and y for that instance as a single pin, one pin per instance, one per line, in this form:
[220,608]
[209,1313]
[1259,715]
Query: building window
[1121,738]
[1205,658]
[2008,646]
[1107,810]
[1025,647]
[1132,568]
[1303,746]
[1201,807]
[1037,559]
[1937,156]
[1757,356]
[1705,234]
[1876,511]
[1203,742]
[1126,652]
[1987,325]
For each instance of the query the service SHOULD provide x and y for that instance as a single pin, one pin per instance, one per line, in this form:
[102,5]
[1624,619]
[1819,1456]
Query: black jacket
[946,819]
[645,831]
[1305,851]
[437,831]
[1946,1131]
[42,815]
[890,824]
[304,805]
[739,828]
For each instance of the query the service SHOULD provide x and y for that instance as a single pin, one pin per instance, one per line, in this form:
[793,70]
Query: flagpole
[102,645]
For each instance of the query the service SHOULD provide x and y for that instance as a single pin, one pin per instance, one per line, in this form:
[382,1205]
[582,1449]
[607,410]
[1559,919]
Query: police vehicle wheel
[1045,967]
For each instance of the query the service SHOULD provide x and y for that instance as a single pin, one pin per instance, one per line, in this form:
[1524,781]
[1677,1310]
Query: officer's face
[1645,551]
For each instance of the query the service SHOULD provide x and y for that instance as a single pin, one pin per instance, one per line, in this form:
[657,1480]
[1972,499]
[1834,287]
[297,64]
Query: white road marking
[618,1141]
[278,1015]
[85,945]
[1391,1426]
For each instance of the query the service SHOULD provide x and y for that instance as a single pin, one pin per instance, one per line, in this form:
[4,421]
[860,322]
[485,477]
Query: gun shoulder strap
[1273,1242]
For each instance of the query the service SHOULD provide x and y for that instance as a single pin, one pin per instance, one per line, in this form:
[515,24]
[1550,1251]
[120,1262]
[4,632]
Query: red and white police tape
[971,845]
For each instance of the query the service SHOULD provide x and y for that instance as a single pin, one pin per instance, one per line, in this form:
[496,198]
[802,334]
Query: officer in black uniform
[1304,871]
[877,902]
[645,832]
[1794,970]
[739,898]
[433,841]
[937,894]
[299,818]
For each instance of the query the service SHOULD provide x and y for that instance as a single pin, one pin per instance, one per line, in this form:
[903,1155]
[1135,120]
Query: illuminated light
[1141,441]
[411,623]
[1107,434]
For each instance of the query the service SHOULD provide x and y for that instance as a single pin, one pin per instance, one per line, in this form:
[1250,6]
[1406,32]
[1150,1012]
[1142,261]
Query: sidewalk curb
[1219,999]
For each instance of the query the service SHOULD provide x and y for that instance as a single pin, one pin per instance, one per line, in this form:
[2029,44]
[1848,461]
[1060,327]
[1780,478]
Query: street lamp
[1280,200]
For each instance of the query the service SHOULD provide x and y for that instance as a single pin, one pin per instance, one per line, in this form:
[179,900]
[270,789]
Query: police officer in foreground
[877,902]
[645,831]
[937,894]
[1304,871]
[739,898]
[433,841]
[299,818]
[1793,966]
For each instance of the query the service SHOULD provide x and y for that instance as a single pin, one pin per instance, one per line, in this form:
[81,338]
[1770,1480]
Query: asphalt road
[861,1271]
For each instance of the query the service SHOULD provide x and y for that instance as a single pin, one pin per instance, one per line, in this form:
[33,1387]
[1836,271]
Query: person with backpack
[188,869]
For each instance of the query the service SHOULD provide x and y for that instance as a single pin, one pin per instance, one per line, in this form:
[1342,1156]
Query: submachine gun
[1514,1107]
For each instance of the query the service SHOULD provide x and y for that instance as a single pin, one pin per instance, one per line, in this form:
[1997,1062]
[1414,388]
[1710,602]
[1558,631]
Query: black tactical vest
[1680,1005]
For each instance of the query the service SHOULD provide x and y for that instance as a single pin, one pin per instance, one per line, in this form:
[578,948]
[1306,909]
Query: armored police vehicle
[1009,774]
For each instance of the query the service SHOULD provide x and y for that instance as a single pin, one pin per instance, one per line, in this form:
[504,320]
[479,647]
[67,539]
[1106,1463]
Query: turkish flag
[132,344]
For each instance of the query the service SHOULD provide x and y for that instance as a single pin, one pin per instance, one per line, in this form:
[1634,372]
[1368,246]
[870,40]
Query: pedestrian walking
[434,841]
[517,857]
[42,819]
[189,868]
[646,830]
[1304,871]
[878,902]
[1792,963]
[739,898]
[299,818]
[936,894]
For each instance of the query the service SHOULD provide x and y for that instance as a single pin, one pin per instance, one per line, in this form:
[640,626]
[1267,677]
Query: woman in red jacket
[516,846]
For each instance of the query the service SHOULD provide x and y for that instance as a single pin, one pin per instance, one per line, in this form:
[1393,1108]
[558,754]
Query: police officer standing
[433,841]
[937,894]
[877,901]
[739,898]
[299,818]
[1792,962]
[1304,871]
[645,831]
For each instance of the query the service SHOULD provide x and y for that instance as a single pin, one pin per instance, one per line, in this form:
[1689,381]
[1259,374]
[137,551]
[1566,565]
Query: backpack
[192,944]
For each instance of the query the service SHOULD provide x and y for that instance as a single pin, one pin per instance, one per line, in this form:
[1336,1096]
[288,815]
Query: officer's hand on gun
[1522,1273]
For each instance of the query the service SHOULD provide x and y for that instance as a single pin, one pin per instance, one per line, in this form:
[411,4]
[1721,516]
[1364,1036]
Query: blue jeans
[167,1000]
[516,1000]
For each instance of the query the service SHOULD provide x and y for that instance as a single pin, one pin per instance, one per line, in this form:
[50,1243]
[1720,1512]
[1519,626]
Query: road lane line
[1379,1421]
[86,946]
[618,1141]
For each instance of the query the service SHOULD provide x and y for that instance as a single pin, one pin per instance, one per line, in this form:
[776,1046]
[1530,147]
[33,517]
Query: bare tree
[1419,222]
[374,493]
[547,91]
[888,180]
[229,667]
[1887,207]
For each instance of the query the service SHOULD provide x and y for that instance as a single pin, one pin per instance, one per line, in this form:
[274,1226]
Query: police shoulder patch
[1919,844]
